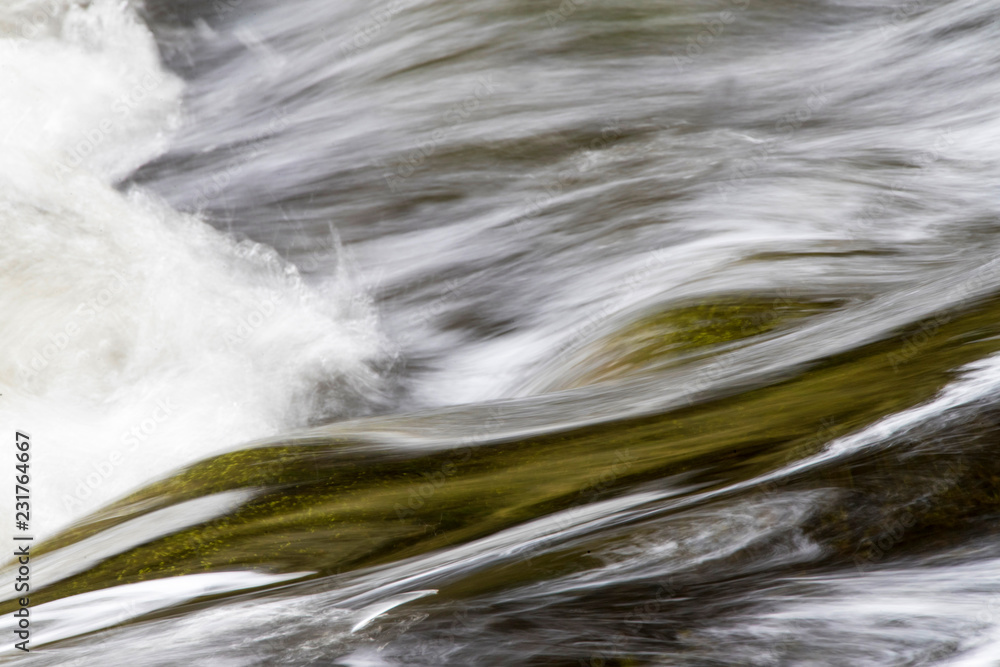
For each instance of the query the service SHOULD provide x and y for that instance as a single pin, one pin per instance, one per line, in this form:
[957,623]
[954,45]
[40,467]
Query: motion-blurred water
[497,332]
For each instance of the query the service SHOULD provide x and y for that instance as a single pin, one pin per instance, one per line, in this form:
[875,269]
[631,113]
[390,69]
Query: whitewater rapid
[657,332]
[137,338]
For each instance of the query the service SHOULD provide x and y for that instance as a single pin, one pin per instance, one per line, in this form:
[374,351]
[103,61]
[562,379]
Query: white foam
[137,339]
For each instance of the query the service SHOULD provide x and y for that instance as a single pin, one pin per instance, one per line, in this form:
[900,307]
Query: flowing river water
[503,332]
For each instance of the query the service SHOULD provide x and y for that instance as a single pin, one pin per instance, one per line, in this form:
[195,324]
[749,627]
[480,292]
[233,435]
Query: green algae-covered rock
[672,335]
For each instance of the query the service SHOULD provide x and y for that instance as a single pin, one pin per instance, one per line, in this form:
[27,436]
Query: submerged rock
[658,339]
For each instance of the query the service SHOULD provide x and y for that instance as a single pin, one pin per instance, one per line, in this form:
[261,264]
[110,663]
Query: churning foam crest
[135,339]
